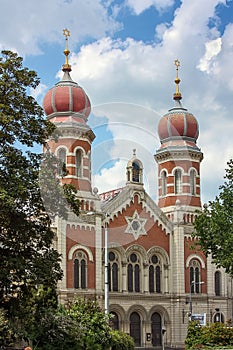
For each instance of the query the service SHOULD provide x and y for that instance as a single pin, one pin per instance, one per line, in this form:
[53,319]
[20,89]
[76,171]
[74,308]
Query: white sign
[201,318]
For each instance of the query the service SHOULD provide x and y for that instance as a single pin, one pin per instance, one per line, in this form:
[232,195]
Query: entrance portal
[156,329]
[135,328]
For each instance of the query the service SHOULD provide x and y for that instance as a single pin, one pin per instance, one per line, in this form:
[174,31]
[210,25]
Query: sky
[122,54]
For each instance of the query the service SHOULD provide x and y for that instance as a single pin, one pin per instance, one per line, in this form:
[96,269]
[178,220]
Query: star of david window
[136,225]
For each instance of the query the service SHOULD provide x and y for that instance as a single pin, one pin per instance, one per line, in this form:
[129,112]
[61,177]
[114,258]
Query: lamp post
[192,283]
[106,282]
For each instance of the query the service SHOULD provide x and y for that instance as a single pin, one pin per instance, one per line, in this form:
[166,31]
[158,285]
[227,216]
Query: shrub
[216,334]
[121,341]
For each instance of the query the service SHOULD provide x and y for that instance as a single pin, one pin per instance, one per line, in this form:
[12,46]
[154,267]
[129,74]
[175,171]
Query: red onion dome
[67,98]
[178,123]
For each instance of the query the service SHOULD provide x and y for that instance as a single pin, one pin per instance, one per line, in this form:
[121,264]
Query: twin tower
[68,107]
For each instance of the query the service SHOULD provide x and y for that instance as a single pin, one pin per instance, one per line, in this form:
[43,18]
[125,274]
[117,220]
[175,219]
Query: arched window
[135,328]
[217,283]
[128,175]
[178,181]
[164,183]
[113,272]
[154,275]
[133,271]
[136,172]
[61,154]
[195,276]
[193,182]
[80,270]
[78,162]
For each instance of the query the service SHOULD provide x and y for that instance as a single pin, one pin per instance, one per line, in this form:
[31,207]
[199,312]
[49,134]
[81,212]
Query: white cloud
[29,24]
[138,6]
[38,91]
[133,72]
[131,83]
[212,49]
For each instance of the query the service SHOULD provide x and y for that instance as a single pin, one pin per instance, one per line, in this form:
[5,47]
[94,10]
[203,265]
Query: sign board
[201,318]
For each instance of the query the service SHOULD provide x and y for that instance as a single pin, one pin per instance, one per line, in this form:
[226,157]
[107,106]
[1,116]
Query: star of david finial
[177,94]
[66,66]
[66,32]
[177,64]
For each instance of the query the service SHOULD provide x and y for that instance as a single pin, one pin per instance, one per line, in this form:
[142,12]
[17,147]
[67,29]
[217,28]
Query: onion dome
[67,98]
[178,127]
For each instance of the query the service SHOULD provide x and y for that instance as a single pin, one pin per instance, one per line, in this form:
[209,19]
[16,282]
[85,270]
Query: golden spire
[66,66]
[177,94]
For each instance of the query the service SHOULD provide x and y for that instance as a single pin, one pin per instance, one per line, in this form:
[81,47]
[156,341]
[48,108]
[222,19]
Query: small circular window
[154,259]
[133,258]
[111,256]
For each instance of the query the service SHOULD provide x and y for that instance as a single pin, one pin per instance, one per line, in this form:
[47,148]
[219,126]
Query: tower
[78,239]
[67,106]
[178,159]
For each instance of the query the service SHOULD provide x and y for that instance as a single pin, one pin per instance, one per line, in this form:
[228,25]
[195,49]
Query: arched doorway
[135,328]
[114,322]
[156,329]
[218,317]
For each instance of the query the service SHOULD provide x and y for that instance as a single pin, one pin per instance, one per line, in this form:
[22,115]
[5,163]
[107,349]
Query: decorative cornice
[170,153]
[76,131]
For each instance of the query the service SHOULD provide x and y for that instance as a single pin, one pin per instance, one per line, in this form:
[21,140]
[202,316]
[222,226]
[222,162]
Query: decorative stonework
[136,225]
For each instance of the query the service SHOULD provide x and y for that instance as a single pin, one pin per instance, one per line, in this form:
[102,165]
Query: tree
[214,225]
[80,324]
[29,265]
[96,333]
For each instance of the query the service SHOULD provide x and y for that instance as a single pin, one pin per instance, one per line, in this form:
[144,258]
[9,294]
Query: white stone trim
[198,257]
[80,246]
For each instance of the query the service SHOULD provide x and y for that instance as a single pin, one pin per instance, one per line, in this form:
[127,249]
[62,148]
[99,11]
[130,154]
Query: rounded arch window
[113,272]
[178,181]
[133,273]
[61,154]
[192,181]
[164,182]
[217,283]
[195,273]
[80,270]
[136,172]
[154,274]
[79,162]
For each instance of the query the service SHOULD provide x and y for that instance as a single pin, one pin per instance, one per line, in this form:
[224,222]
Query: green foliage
[217,334]
[54,330]
[29,265]
[7,336]
[57,199]
[121,341]
[92,322]
[81,324]
[214,226]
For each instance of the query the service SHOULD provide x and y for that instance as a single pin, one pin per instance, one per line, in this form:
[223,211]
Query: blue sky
[122,54]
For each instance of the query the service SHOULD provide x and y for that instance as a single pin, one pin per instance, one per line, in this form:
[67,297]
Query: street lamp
[106,282]
[192,283]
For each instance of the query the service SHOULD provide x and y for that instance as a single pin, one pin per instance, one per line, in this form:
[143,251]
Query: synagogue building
[132,254]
